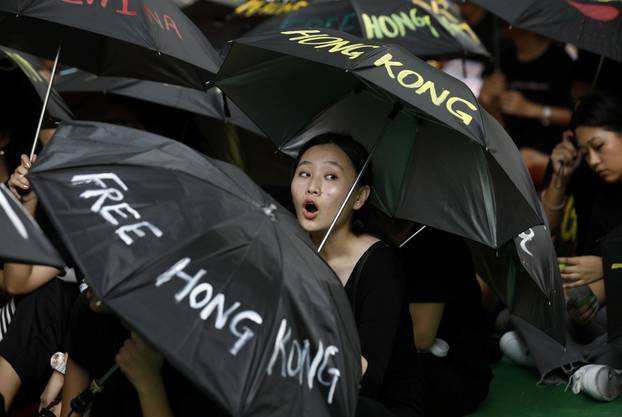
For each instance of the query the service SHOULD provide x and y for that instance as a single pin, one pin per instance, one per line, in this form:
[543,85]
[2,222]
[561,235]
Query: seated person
[449,323]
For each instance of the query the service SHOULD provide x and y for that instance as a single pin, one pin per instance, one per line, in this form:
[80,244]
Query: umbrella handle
[80,403]
[397,106]
[45,103]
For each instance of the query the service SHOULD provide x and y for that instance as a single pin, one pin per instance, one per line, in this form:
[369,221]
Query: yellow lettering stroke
[25,66]
[616,266]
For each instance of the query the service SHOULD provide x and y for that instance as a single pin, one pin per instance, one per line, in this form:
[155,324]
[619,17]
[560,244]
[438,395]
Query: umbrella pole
[413,235]
[45,103]
[80,403]
[390,118]
[598,70]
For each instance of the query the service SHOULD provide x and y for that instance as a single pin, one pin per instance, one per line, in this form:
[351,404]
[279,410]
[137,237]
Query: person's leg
[367,407]
[9,383]
[36,332]
[450,392]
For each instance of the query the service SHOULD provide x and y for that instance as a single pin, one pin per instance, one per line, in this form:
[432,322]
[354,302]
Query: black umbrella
[442,160]
[211,103]
[525,275]
[206,266]
[424,27]
[253,9]
[147,39]
[594,25]
[22,240]
[27,64]
[611,251]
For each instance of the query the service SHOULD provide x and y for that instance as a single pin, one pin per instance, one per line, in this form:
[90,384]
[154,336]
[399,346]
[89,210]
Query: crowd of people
[429,335]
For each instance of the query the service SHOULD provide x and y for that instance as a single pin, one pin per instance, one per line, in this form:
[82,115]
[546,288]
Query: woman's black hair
[357,155]
[600,109]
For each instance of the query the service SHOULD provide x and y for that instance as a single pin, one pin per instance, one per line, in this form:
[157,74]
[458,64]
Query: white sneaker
[513,346]
[598,381]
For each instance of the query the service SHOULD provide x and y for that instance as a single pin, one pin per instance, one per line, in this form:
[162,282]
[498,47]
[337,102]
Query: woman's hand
[51,393]
[140,363]
[18,181]
[584,314]
[565,155]
[515,104]
[580,270]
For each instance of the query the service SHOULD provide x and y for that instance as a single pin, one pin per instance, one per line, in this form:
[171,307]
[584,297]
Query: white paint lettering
[123,231]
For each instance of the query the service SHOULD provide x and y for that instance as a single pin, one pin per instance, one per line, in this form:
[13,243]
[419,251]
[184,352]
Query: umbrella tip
[269,211]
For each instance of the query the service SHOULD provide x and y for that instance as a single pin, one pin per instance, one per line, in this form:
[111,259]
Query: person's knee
[10,383]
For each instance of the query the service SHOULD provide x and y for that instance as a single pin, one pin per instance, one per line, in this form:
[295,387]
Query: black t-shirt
[439,269]
[376,290]
[545,80]
[598,207]
[93,342]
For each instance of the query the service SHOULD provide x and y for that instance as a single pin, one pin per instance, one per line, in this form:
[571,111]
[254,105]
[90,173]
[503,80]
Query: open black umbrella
[252,9]
[22,239]
[27,64]
[206,266]
[525,275]
[444,161]
[595,25]
[211,103]
[424,27]
[147,39]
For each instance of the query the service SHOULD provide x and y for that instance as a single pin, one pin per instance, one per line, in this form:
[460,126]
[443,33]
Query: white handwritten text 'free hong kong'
[113,213]
[294,357]
[407,78]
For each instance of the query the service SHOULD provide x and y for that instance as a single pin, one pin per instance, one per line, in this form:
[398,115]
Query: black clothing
[93,342]
[440,270]
[449,392]
[376,290]
[37,331]
[546,80]
[598,207]
[586,68]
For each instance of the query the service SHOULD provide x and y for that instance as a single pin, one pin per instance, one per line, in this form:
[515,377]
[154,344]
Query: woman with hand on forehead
[369,269]
[587,164]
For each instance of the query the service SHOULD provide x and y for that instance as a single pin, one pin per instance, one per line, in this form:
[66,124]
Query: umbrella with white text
[22,239]
[206,266]
[525,275]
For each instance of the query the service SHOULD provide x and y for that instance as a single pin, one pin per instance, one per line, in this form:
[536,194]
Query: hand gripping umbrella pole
[396,108]
[82,402]
[45,102]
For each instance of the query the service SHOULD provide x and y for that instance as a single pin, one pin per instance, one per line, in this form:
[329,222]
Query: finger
[569,269]
[20,182]
[569,260]
[574,276]
[25,161]
[34,158]
[138,341]
[21,170]
[566,152]
[574,284]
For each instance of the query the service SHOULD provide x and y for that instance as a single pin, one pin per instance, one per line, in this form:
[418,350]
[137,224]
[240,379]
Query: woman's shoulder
[378,254]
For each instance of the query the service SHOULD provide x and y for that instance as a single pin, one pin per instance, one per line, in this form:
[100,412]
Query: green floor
[514,392]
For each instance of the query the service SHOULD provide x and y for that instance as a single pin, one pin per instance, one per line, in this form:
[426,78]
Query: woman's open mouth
[310,210]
